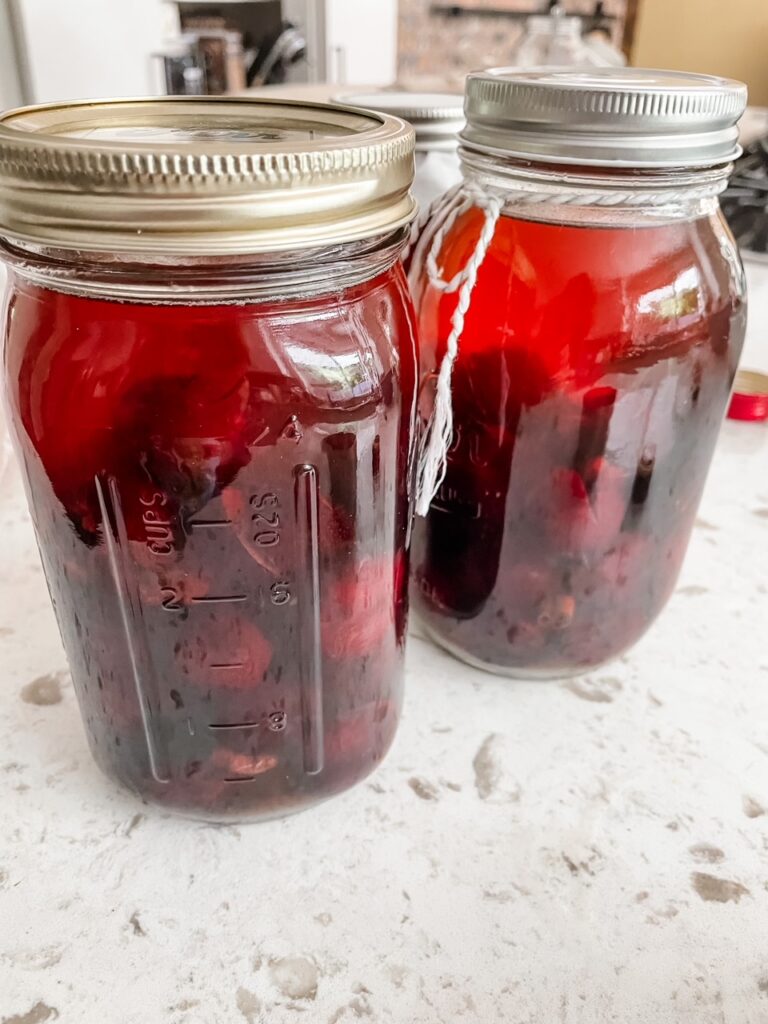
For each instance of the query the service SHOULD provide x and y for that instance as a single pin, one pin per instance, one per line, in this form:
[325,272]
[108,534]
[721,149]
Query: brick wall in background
[440,48]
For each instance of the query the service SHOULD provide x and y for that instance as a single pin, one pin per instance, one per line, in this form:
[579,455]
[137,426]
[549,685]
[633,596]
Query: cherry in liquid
[220,498]
[593,373]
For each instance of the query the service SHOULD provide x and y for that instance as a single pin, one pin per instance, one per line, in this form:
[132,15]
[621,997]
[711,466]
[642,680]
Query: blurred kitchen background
[63,49]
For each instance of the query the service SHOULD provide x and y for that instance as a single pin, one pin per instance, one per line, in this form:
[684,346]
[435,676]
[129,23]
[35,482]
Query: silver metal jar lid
[201,175]
[437,117]
[617,117]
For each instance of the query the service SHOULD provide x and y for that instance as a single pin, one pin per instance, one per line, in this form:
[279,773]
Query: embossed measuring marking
[234,725]
[265,519]
[269,521]
[266,526]
[275,721]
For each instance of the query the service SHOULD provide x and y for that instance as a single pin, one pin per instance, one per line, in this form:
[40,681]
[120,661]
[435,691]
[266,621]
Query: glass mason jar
[211,368]
[437,119]
[581,311]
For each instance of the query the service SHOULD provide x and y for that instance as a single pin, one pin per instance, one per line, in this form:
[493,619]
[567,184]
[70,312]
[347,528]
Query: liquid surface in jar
[593,373]
[220,497]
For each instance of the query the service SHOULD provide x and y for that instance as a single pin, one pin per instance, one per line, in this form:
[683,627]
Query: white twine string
[424,217]
[436,440]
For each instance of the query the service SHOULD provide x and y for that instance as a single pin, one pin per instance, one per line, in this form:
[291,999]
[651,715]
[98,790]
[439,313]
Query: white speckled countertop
[583,853]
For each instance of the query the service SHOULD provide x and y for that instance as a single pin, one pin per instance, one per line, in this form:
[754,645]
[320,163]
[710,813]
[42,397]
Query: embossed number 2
[171,599]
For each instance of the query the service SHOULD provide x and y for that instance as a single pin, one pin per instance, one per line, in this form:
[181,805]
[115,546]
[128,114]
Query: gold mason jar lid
[200,175]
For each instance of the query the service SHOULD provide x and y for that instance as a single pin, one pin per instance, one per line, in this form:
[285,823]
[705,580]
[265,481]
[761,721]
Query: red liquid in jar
[220,498]
[592,377]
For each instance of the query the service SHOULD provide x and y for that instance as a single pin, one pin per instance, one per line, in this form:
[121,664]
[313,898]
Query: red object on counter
[749,401]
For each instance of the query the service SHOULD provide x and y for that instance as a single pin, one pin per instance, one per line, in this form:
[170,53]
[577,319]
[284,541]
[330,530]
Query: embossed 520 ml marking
[265,518]
[266,526]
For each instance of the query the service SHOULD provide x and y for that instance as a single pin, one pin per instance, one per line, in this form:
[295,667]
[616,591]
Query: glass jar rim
[210,279]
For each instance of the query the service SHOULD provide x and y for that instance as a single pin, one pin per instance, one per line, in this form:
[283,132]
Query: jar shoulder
[51,331]
[80,370]
[553,284]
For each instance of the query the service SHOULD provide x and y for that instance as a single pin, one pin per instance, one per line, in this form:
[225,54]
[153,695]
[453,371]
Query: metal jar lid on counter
[437,119]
